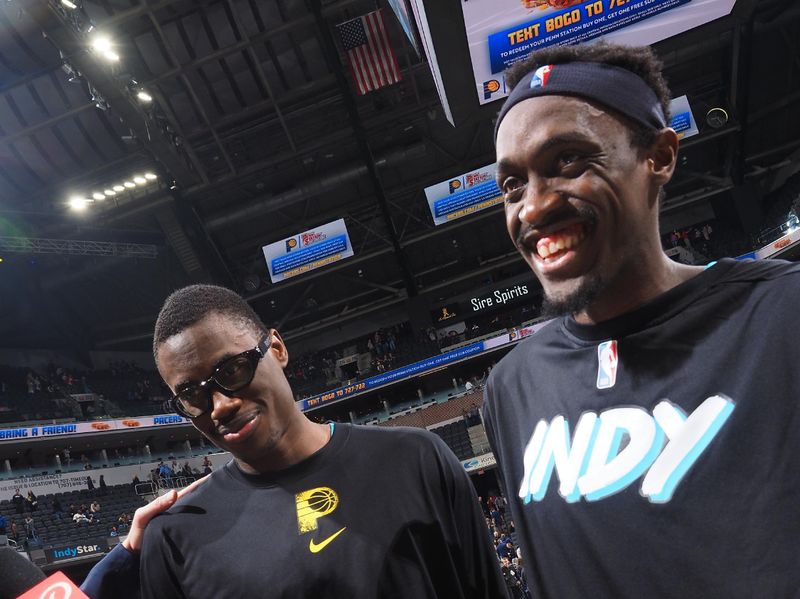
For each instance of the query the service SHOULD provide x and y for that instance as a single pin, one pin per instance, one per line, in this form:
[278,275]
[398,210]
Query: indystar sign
[75,551]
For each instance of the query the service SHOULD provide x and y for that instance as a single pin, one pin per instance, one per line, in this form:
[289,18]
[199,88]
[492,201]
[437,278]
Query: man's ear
[662,156]
[277,348]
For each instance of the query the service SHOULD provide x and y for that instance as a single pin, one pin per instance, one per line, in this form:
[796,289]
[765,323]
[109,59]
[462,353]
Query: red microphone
[56,586]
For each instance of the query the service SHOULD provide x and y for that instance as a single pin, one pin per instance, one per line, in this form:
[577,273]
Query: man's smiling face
[578,197]
[250,422]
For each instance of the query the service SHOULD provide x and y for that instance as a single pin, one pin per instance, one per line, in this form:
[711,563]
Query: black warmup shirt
[375,513]
[658,454]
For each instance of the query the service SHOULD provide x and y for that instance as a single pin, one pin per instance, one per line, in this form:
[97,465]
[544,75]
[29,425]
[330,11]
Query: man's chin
[577,298]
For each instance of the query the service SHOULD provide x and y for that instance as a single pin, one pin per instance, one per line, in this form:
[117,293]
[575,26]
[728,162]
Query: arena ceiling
[254,132]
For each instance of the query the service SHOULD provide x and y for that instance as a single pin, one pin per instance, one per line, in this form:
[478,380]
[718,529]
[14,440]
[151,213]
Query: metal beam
[331,54]
[77,247]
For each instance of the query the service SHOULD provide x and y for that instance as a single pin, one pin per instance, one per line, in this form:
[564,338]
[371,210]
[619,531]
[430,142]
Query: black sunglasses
[230,376]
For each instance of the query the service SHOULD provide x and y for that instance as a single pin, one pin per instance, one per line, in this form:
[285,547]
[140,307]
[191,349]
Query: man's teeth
[563,242]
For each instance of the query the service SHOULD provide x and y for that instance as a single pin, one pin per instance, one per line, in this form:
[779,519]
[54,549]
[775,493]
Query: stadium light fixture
[150,176]
[139,180]
[103,46]
[129,184]
[110,192]
[78,204]
[70,5]
[118,188]
[144,96]
[98,196]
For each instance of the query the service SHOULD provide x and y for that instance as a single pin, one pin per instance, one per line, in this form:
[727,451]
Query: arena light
[98,196]
[139,180]
[118,188]
[129,184]
[144,96]
[103,46]
[110,192]
[70,5]
[78,204]
[150,176]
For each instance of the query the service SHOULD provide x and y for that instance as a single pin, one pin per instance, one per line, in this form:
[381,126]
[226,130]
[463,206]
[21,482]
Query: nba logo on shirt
[541,76]
[607,360]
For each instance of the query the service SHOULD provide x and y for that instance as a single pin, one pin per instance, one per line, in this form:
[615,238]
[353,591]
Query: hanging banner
[403,14]
[307,251]
[502,32]
[463,195]
[682,119]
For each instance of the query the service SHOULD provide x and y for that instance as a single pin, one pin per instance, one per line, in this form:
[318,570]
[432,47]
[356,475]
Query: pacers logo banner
[312,505]
[463,195]
[307,251]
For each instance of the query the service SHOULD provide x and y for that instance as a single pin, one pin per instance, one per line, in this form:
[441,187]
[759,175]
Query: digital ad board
[464,195]
[502,32]
[308,250]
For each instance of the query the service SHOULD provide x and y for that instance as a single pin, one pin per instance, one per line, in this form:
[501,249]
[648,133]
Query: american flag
[372,59]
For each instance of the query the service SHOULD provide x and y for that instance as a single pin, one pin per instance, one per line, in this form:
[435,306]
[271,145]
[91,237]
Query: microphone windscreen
[17,574]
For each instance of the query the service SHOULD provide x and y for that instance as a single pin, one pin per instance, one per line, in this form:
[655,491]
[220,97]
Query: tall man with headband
[303,509]
[648,436]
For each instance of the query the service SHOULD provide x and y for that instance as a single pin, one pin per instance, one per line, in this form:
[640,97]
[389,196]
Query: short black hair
[191,304]
[640,60]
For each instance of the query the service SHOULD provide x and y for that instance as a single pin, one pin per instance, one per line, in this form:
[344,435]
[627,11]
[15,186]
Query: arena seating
[52,531]
[457,438]
[440,412]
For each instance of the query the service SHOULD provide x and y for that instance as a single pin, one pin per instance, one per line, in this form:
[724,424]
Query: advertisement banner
[463,195]
[83,428]
[307,251]
[76,550]
[502,32]
[479,463]
[682,118]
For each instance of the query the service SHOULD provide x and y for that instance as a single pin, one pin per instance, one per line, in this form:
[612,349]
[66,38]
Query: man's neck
[634,288]
[301,439]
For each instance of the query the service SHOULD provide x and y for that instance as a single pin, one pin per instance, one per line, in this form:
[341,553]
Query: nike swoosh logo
[317,547]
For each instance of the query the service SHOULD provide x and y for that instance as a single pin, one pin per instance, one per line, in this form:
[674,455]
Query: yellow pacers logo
[312,505]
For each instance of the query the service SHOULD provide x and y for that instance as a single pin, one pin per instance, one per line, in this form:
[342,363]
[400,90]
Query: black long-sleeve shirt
[374,513]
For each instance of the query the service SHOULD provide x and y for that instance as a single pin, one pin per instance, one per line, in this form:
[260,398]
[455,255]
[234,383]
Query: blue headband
[614,87]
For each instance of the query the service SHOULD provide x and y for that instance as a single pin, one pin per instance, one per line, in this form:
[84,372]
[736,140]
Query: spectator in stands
[67,456]
[165,472]
[3,524]
[80,518]
[114,532]
[31,503]
[95,507]
[13,530]
[512,579]
[102,485]
[227,370]
[469,385]
[30,528]
[58,510]
[19,502]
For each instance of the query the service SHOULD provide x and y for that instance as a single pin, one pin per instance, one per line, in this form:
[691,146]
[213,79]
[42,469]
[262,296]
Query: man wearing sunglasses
[303,509]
